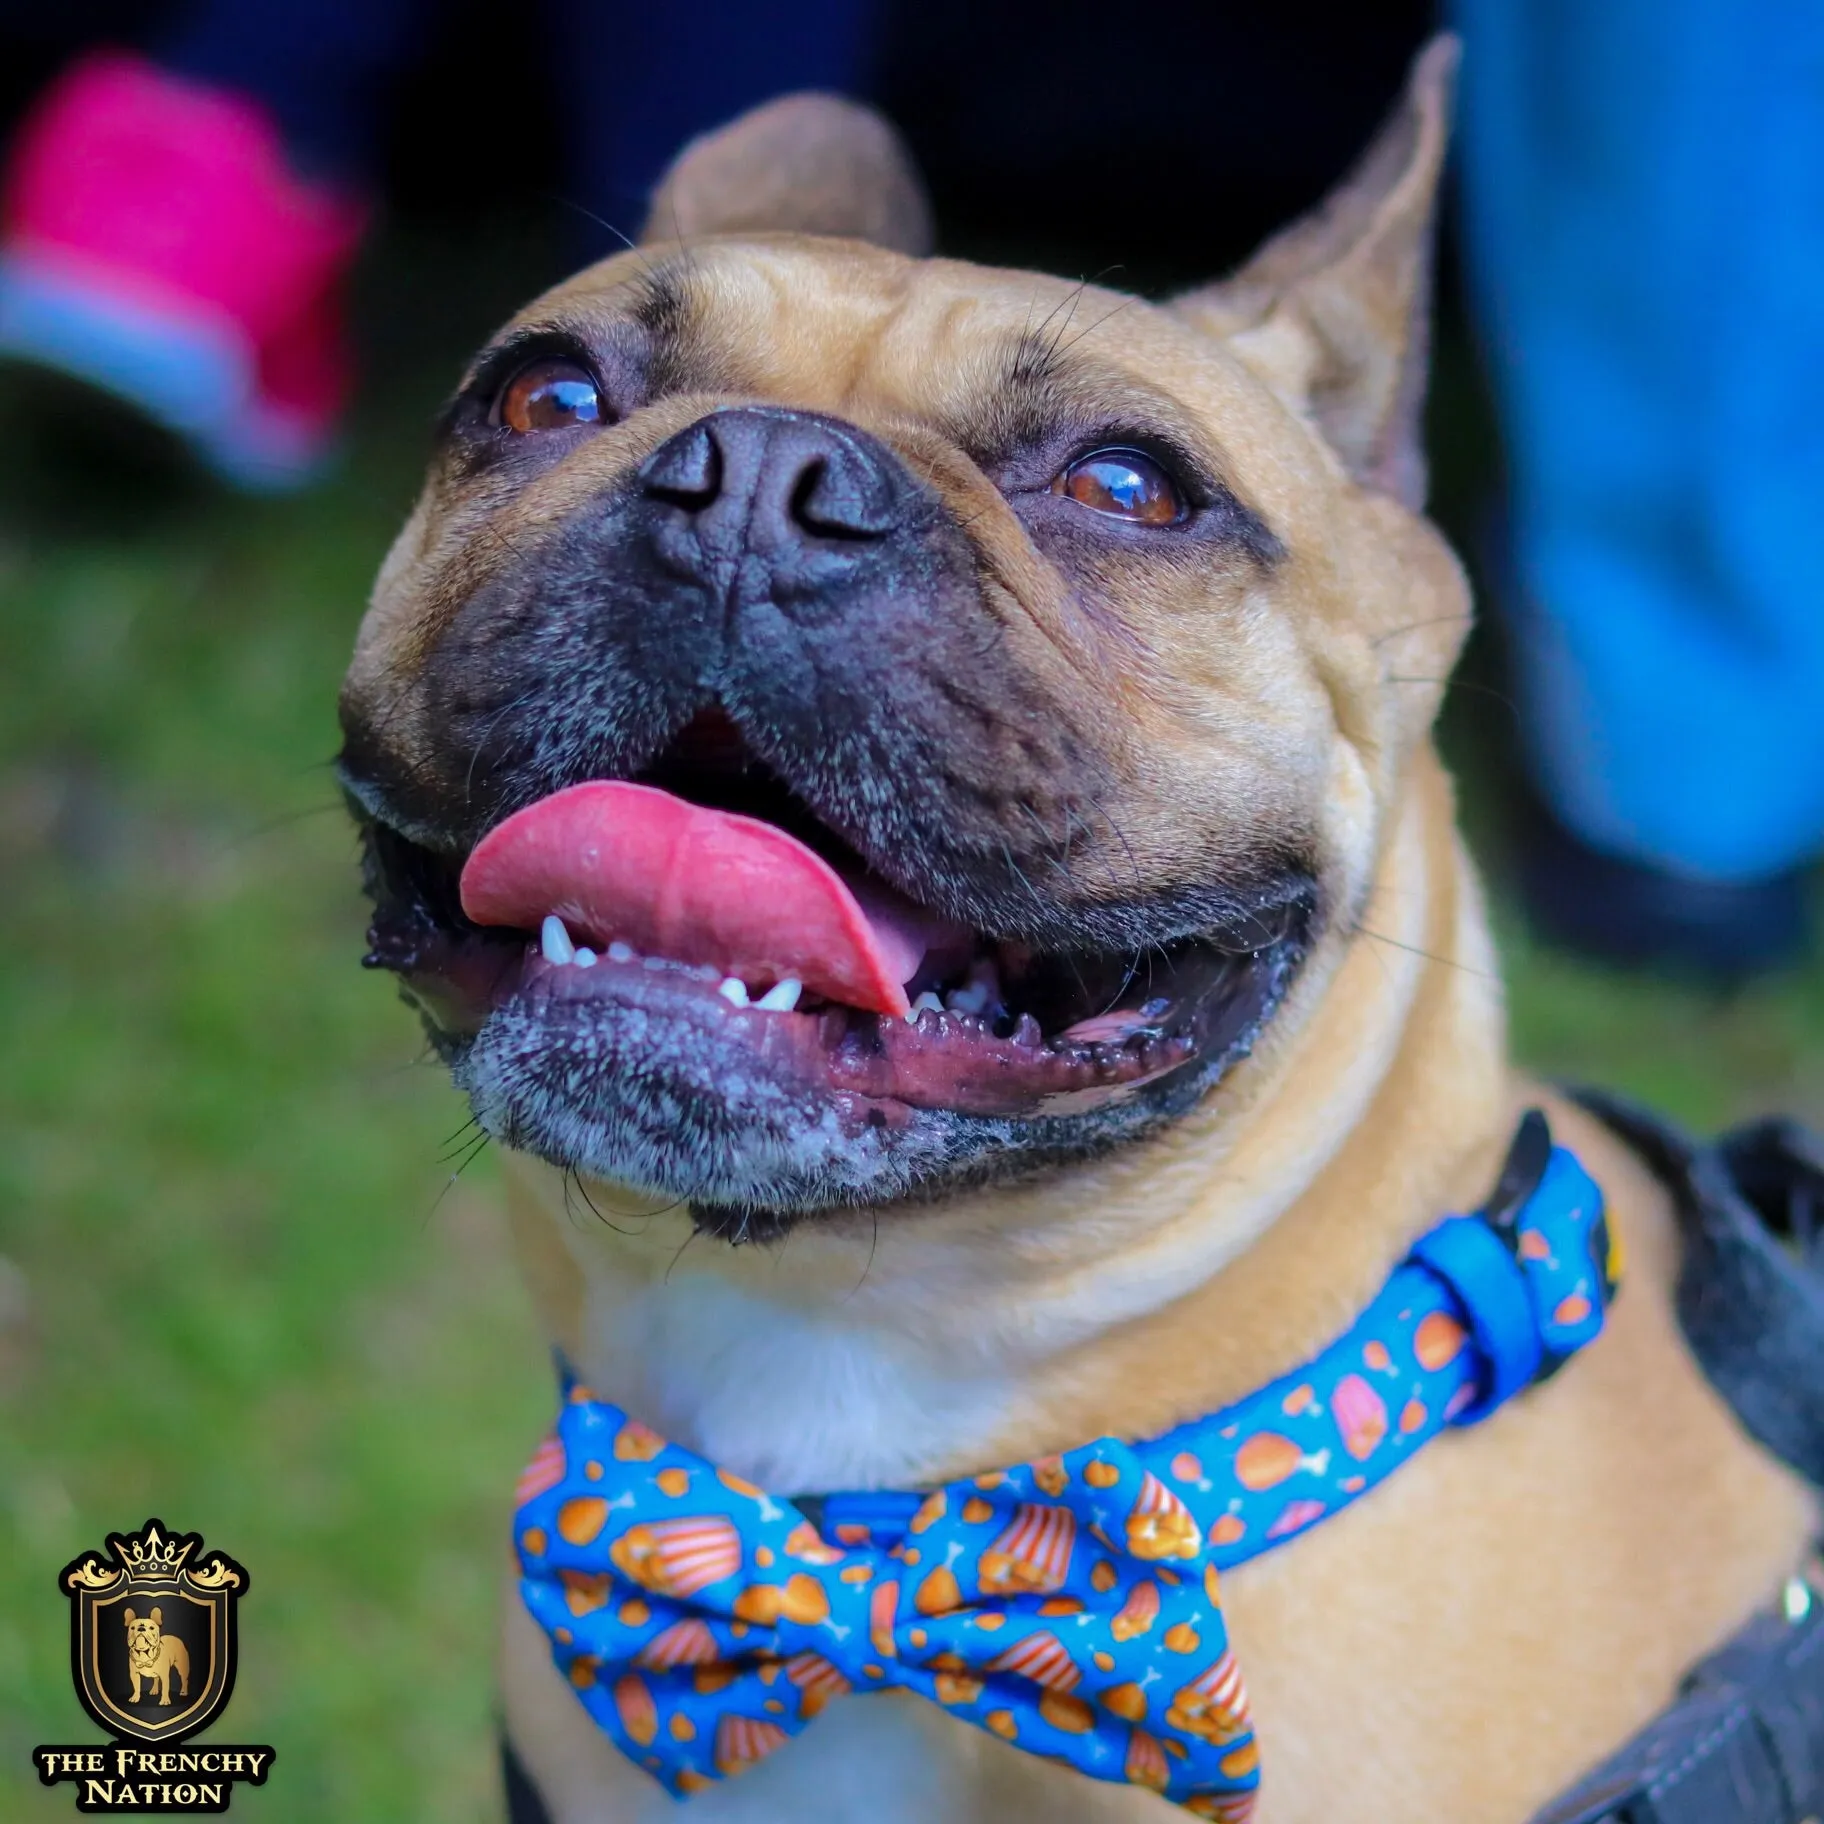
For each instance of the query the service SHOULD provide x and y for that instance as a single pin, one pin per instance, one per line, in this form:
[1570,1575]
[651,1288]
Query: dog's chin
[755,1118]
[639,1071]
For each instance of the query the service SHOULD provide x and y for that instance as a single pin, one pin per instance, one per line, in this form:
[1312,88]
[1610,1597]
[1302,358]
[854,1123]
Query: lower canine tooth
[733,990]
[782,997]
[554,940]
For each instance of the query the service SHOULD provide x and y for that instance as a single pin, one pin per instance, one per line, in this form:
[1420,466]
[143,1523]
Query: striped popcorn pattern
[679,1557]
[743,1740]
[1070,1606]
[545,1471]
[1213,1705]
[1159,1525]
[817,1680]
[684,1643]
[1044,1659]
[1033,1554]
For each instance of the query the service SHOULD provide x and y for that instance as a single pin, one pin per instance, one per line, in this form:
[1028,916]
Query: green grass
[230,1293]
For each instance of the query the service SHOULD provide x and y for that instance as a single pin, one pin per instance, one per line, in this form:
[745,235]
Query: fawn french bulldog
[903,792]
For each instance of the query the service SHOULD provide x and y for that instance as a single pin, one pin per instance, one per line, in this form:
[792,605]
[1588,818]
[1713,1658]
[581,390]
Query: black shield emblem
[152,1633]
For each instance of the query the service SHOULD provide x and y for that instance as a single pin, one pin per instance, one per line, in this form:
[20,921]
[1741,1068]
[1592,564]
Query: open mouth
[703,907]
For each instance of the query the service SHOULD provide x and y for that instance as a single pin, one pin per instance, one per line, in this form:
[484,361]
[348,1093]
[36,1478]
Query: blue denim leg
[1644,192]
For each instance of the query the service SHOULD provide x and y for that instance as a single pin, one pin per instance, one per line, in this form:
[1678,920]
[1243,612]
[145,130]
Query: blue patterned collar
[1071,1605]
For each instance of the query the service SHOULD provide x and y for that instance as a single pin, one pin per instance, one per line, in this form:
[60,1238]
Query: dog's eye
[1126,483]
[550,395]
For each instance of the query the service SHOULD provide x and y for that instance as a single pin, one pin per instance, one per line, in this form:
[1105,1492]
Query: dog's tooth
[1026,1032]
[968,1000]
[782,997]
[619,952]
[707,972]
[733,990]
[926,1003]
[585,957]
[554,940]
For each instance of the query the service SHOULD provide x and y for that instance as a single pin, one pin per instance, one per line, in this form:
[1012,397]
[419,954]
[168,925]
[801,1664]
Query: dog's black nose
[798,491]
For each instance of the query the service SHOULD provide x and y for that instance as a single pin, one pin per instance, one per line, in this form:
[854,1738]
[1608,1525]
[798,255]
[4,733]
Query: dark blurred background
[1167,143]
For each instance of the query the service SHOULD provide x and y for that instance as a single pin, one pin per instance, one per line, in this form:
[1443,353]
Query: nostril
[687,471]
[804,492]
[839,500]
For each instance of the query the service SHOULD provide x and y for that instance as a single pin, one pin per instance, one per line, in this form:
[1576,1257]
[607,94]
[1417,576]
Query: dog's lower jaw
[760,1120]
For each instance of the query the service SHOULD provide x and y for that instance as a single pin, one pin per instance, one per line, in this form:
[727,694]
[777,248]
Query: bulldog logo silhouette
[155,1657]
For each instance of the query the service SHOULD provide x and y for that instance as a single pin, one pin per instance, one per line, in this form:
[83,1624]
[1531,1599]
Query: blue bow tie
[1072,1605]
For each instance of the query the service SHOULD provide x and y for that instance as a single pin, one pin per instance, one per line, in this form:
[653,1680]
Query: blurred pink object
[154,242]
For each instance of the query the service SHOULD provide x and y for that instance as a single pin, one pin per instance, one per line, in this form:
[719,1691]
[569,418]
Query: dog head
[953,710]
[144,1633]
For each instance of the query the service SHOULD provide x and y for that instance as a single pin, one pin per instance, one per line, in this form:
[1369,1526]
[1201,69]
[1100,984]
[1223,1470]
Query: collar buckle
[1484,1261]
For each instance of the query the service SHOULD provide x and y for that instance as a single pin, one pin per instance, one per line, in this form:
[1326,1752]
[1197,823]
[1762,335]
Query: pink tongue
[673,879]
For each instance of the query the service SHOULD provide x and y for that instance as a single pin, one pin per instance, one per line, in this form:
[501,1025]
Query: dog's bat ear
[812,164]
[129,1618]
[158,1617]
[1335,311]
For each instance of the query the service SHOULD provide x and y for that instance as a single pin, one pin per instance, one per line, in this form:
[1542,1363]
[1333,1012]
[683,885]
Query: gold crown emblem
[149,1554]
[152,1554]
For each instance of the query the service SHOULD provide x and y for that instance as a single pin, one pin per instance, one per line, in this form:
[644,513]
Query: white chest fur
[797,1396]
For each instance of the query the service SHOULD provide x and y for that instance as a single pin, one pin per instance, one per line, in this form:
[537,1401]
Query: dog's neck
[1123,1298]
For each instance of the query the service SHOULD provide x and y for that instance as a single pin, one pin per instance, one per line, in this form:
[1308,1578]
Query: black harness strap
[525,1805]
[1744,1741]
[1751,1289]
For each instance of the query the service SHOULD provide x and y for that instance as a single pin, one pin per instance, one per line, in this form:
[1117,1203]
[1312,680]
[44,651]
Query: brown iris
[550,395]
[1126,483]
